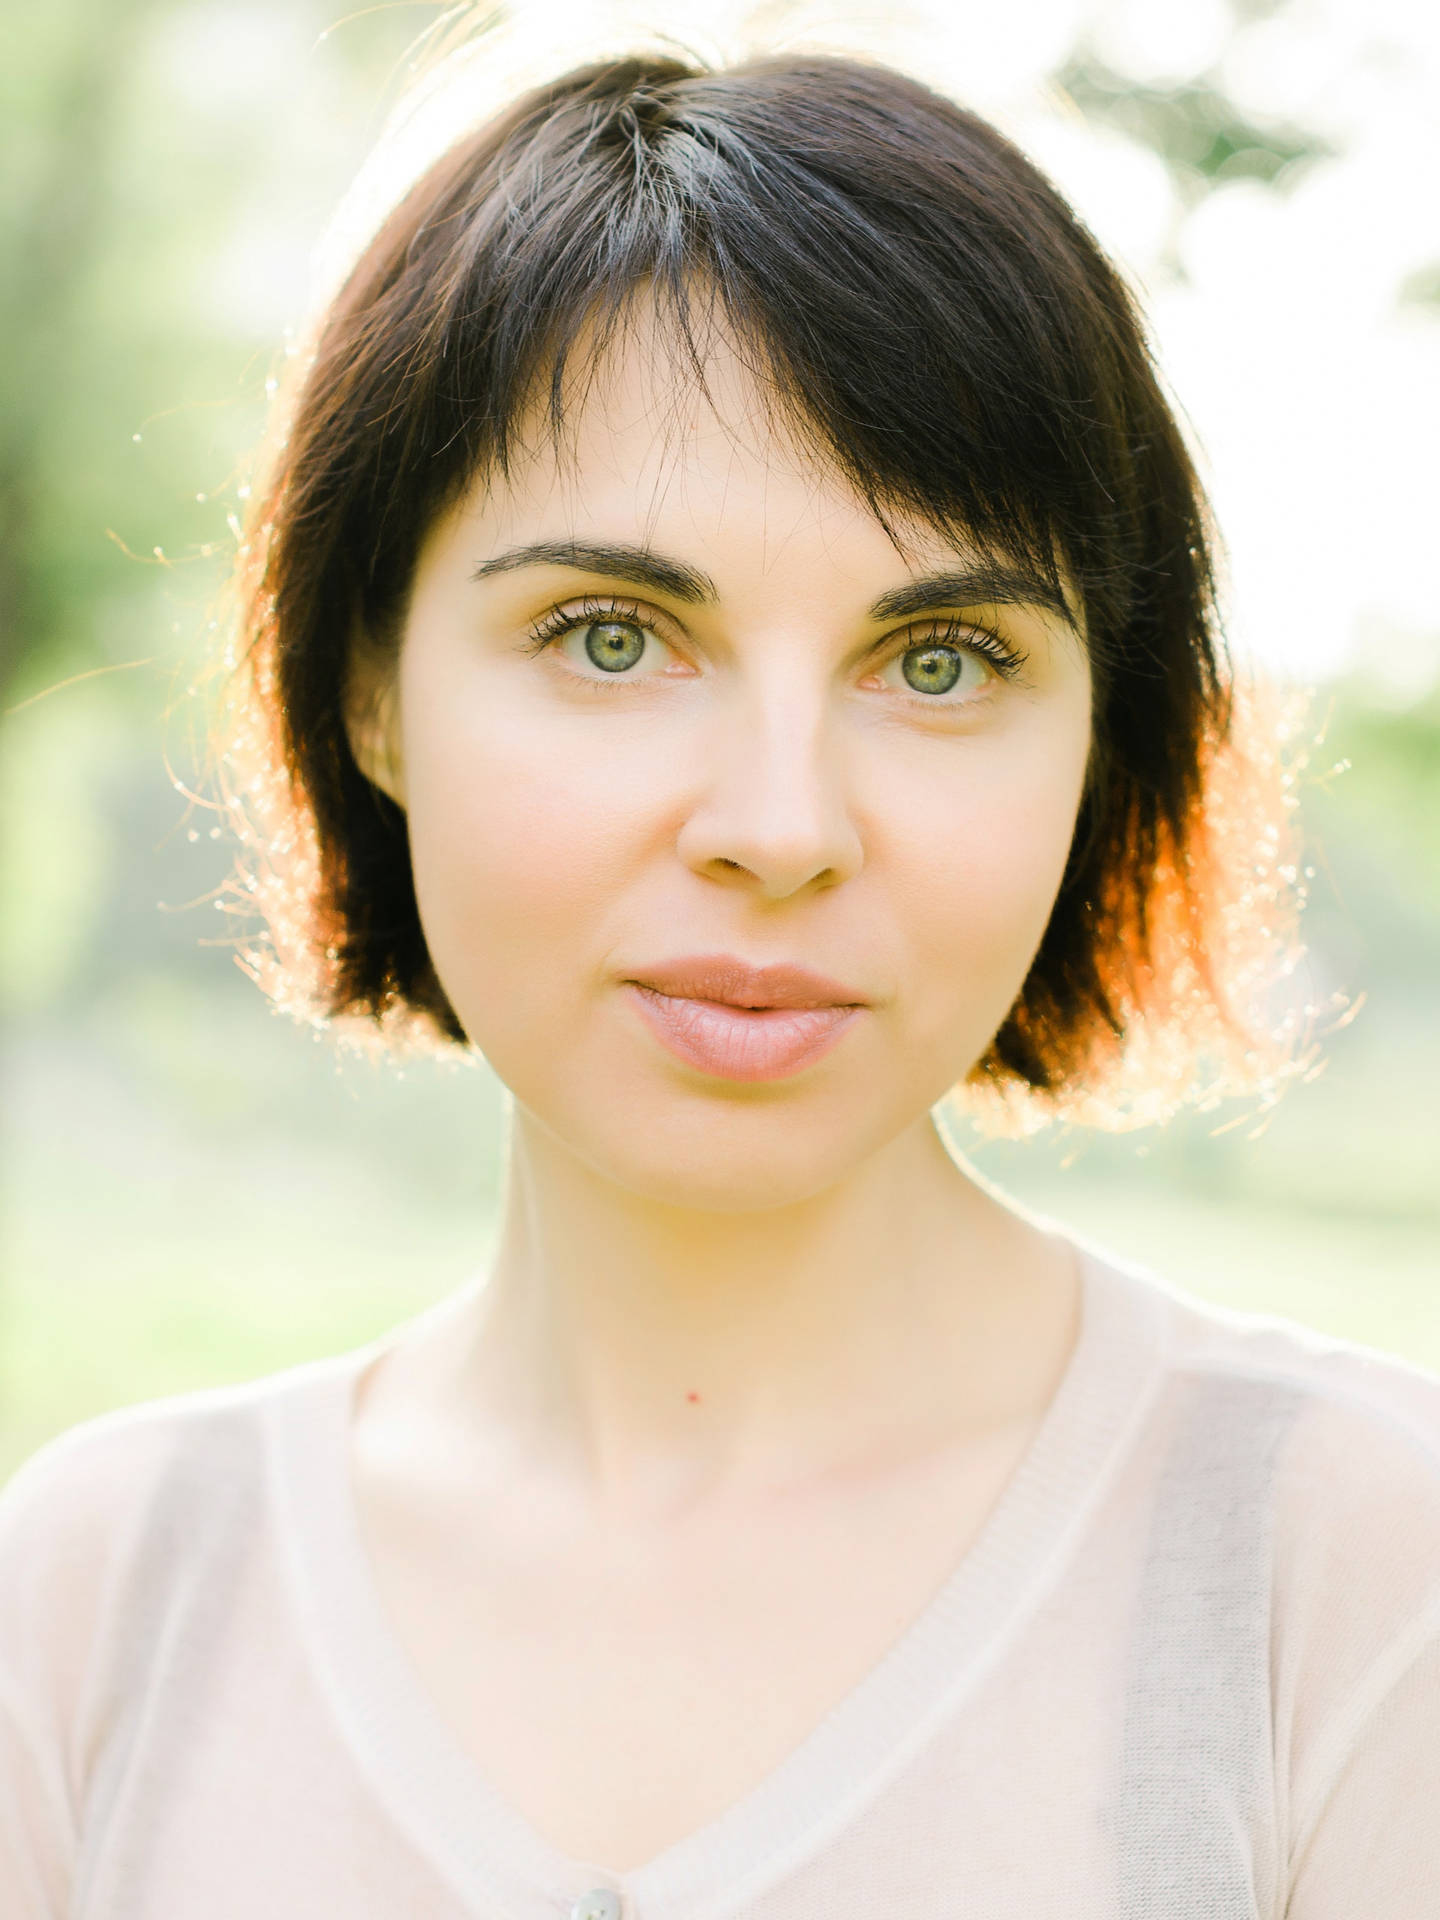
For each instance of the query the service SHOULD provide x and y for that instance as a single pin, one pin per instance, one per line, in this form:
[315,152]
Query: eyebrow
[975,586]
[639,564]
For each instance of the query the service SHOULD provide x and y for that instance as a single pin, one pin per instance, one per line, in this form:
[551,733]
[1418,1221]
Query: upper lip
[735,983]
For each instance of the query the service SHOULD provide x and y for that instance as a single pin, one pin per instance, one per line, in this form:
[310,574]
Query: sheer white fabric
[1189,1671]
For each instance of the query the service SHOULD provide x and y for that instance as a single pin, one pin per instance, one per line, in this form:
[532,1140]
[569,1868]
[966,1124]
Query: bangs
[681,333]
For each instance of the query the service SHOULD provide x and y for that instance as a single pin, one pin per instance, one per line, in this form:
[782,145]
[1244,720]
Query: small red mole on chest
[693,1397]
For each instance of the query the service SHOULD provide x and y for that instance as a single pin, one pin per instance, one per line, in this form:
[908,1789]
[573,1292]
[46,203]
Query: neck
[660,1356]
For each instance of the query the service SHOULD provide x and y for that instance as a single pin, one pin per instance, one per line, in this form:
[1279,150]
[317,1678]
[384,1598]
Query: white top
[1189,1670]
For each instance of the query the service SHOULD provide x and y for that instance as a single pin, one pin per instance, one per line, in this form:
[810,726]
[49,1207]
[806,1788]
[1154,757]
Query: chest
[618,1691]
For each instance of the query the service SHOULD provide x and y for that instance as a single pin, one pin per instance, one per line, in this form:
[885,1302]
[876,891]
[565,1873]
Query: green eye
[614,645]
[932,669]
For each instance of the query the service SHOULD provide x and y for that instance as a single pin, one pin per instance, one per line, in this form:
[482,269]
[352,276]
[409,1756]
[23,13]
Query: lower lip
[741,1043]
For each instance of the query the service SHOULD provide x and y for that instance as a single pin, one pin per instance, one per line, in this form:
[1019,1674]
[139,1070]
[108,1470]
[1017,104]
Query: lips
[726,1018]
[731,982]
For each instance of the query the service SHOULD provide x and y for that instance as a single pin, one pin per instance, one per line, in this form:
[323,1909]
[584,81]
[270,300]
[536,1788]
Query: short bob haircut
[932,318]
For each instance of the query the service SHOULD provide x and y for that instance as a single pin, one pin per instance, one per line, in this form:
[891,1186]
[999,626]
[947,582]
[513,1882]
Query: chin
[732,1156]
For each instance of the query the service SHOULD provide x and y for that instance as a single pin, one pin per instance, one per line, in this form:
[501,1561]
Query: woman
[731,641]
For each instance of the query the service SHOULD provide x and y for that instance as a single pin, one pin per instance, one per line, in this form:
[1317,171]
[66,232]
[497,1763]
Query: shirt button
[600,1904]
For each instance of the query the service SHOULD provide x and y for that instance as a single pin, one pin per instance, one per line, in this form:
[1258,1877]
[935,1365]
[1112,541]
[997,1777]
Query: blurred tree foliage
[1201,134]
[60,94]
[134,174]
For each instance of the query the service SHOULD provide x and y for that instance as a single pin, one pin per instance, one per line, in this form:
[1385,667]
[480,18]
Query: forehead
[684,434]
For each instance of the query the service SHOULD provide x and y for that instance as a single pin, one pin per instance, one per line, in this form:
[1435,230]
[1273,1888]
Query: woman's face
[674,692]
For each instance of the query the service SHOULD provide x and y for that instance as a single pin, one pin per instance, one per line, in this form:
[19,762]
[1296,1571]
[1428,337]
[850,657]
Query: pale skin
[752,1361]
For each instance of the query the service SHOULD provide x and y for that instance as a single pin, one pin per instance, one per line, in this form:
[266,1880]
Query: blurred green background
[196,1190]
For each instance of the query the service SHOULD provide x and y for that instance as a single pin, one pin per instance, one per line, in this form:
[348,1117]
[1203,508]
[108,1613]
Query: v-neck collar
[491,1855]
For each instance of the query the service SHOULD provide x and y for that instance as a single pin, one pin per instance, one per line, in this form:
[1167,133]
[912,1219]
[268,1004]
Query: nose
[772,813]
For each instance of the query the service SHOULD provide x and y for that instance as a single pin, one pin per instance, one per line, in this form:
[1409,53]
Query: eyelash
[560,620]
[1001,655]
[965,636]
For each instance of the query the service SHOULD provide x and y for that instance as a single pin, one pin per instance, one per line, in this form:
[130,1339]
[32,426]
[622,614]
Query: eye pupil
[614,645]
[931,669]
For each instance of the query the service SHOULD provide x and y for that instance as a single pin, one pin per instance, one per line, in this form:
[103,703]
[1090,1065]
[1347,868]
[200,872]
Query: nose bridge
[775,799]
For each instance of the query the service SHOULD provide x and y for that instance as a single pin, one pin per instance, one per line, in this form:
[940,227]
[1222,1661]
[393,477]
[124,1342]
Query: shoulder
[1330,1452]
[1313,1456]
[124,1497]
[93,1477]
[1357,1431]
[1352,1434]
[1295,1497]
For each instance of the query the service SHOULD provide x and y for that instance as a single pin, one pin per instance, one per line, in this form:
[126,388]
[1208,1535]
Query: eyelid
[568,614]
[1006,656]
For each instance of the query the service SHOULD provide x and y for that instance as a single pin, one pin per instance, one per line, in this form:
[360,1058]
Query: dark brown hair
[933,318]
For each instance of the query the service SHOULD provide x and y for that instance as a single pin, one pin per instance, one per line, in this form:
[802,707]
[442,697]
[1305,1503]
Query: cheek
[519,848]
[975,884]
